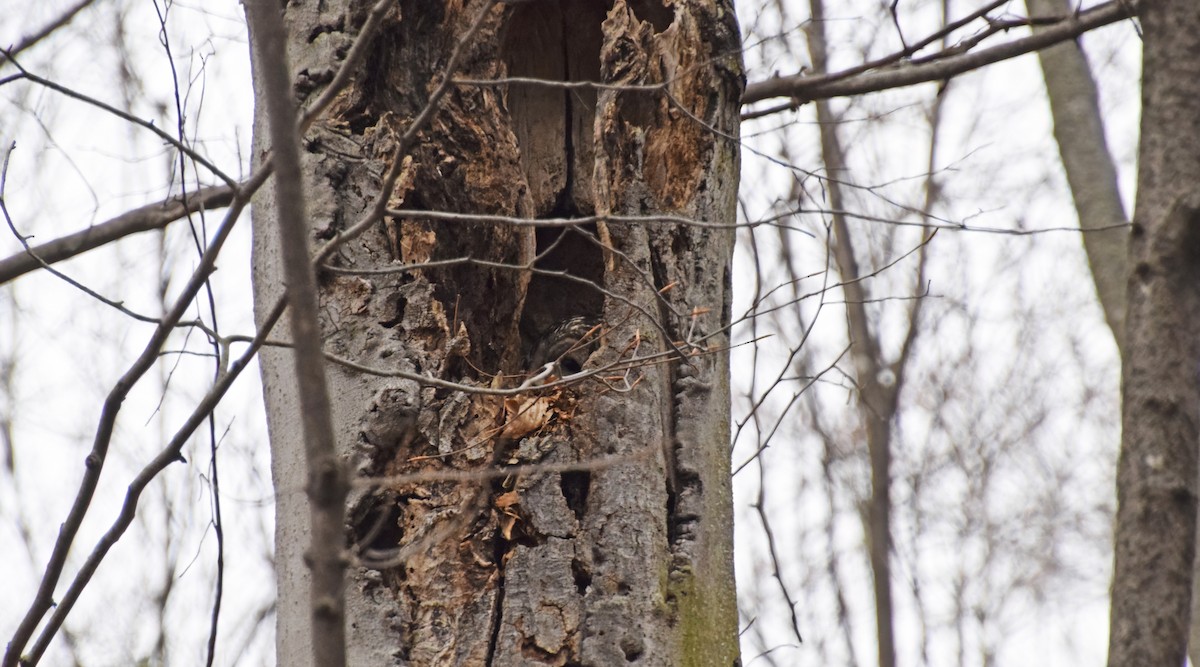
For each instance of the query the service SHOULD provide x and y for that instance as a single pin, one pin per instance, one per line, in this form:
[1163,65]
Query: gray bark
[1089,167]
[628,556]
[326,486]
[1156,476]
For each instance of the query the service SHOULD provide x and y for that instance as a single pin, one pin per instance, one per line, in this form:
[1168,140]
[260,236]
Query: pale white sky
[73,167]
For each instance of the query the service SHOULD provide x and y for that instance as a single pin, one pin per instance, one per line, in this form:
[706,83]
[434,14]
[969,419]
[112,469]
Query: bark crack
[498,607]
[565,197]
[661,279]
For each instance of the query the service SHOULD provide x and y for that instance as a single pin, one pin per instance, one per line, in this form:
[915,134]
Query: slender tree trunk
[1091,174]
[1156,477]
[876,401]
[622,551]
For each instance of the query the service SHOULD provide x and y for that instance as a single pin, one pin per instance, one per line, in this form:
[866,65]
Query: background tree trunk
[1088,165]
[1156,476]
[624,551]
[877,400]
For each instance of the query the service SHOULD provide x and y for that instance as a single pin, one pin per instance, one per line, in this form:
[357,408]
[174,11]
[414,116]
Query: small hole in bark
[1142,270]
[583,578]
[396,304]
[379,528]
[632,648]
[1183,497]
[325,27]
[575,486]
[1190,243]
[653,11]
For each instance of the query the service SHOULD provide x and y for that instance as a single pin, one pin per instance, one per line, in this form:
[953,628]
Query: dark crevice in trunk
[582,576]
[670,371]
[575,486]
[377,528]
[501,551]
[659,14]
[565,196]
[553,298]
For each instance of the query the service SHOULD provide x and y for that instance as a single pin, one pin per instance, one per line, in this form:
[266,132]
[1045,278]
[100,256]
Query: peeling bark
[626,558]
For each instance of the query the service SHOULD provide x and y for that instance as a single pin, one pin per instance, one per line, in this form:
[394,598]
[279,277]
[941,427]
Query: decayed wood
[604,564]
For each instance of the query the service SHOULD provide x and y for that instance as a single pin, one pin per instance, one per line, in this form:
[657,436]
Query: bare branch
[171,453]
[803,88]
[46,30]
[87,99]
[876,402]
[94,463]
[327,482]
[1089,168]
[143,219]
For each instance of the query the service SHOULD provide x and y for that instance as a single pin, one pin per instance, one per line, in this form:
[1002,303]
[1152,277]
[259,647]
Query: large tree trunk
[1156,476]
[622,551]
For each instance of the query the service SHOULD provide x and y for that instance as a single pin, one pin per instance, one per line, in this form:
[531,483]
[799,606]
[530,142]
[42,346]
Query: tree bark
[326,486]
[1156,476]
[620,548]
[1091,174]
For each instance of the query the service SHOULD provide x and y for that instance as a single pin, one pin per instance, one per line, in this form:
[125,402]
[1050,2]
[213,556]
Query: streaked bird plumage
[567,345]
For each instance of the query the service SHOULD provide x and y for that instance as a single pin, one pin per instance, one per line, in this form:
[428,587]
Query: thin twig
[808,89]
[44,599]
[171,453]
[125,116]
[59,21]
